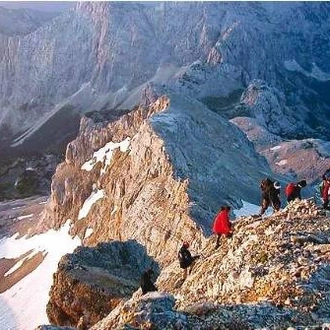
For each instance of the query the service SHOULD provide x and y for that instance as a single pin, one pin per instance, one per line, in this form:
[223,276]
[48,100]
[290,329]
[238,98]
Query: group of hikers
[270,196]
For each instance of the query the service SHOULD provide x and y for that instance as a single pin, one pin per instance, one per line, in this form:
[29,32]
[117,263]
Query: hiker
[325,189]
[186,259]
[270,195]
[222,225]
[293,191]
[146,283]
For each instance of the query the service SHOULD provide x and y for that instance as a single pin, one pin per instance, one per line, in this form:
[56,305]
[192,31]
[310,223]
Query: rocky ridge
[171,177]
[273,272]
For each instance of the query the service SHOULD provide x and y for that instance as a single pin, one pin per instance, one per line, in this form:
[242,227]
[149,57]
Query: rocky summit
[272,273]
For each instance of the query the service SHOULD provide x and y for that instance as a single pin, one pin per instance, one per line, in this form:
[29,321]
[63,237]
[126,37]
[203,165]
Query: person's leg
[218,241]
[185,273]
[264,206]
[276,205]
[191,266]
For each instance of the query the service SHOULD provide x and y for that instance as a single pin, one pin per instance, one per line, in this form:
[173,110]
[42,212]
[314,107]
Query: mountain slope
[118,47]
[272,272]
[22,21]
[157,173]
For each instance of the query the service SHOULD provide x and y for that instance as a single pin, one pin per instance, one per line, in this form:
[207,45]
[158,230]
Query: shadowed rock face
[92,281]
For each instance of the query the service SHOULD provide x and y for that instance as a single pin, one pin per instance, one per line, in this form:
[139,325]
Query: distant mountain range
[261,65]
[101,56]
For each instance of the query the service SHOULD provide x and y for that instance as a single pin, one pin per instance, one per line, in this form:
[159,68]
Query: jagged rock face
[267,105]
[51,327]
[305,159]
[166,187]
[92,281]
[301,159]
[142,200]
[218,49]
[272,272]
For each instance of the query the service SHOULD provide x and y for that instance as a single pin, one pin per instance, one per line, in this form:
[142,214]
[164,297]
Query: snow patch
[282,162]
[250,209]
[114,210]
[88,232]
[93,198]
[104,154]
[22,217]
[246,210]
[19,264]
[19,309]
[275,148]
[316,73]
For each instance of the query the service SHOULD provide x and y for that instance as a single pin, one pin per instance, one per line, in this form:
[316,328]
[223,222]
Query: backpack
[266,184]
[327,174]
[289,189]
[184,257]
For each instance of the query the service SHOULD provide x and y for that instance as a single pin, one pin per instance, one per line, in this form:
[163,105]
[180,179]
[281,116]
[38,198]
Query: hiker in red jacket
[293,191]
[325,193]
[222,225]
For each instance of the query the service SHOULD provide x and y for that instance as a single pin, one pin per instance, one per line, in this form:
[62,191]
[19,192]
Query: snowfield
[23,306]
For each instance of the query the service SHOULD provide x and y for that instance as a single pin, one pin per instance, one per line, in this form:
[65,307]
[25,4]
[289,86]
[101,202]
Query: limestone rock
[151,311]
[92,281]
[274,271]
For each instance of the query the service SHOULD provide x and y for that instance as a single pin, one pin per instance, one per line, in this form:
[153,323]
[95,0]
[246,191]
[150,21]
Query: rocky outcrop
[267,106]
[273,272]
[277,265]
[307,158]
[151,311]
[27,176]
[23,21]
[92,281]
[301,159]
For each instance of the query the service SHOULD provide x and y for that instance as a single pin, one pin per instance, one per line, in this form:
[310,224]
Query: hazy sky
[39,5]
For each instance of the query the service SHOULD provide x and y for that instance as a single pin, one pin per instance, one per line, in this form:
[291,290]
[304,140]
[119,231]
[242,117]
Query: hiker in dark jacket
[293,191]
[186,259]
[270,195]
[146,283]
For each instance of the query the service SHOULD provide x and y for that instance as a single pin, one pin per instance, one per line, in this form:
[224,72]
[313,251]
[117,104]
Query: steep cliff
[21,22]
